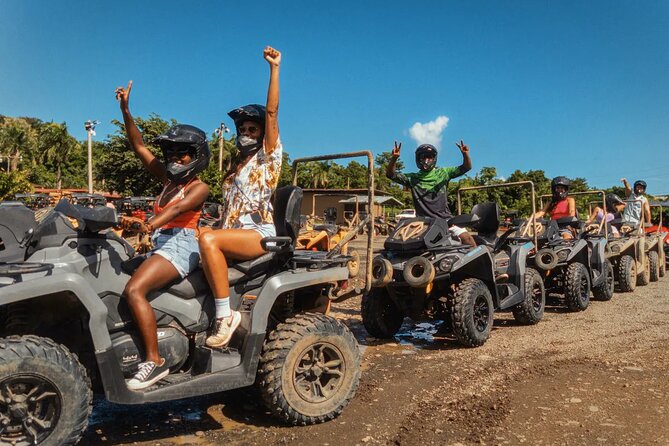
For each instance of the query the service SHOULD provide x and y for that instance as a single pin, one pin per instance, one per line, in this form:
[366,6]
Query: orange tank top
[561,209]
[188,219]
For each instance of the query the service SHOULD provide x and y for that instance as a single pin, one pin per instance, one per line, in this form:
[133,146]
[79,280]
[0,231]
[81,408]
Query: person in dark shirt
[429,186]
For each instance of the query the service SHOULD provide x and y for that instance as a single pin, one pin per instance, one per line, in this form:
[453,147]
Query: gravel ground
[595,377]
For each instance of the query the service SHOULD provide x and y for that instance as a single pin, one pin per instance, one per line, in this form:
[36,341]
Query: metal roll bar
[370,202]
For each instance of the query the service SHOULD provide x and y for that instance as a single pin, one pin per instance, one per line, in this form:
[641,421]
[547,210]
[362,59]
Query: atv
[629,255]
[66,331]
[425,273]
[655,250]
[573,267]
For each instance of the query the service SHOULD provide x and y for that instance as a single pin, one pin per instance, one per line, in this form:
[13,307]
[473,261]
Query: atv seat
[287,203]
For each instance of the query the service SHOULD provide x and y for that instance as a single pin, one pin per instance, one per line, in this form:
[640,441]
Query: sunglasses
[173,151]
[250,129]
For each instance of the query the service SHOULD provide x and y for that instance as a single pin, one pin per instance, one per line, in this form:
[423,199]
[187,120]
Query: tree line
[33,152]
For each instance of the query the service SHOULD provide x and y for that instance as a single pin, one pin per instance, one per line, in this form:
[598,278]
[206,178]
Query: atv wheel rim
[481,314]
[30,407]
[319,373]
[536,298]
[583,288]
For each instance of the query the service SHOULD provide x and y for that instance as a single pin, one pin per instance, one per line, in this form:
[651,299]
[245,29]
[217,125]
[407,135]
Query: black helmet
[611,201]
[426,151]
[560,181]
[254,113]
[641,183]
[179,138]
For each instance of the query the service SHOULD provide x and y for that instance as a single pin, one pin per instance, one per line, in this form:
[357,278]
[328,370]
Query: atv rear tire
[309,369]
[643,279]
[577,287]
[604,291]
[48,384]
[654,265]
[627,274]
[472,313]
[531,310]
[380,315]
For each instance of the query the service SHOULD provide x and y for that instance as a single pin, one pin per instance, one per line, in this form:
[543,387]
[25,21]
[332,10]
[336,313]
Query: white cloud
[429,132]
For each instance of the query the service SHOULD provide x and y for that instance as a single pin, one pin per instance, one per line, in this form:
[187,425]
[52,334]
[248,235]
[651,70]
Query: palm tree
[55,146]
[17,137]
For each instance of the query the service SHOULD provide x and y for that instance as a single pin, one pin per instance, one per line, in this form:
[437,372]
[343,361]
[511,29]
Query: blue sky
[571,87]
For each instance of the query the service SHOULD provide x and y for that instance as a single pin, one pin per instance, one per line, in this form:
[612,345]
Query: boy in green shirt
[429,186]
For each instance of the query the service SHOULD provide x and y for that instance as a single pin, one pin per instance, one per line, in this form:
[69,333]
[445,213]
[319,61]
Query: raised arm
[152,164]
[273,57]
[628,188]
[466,160]
[646,212]
[394,155]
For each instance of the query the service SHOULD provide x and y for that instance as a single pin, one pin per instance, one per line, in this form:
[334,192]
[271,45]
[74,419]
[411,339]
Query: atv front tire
[45,394]
[380,315]
[604,291]
[309,369]
[627,274]
[472,313]
[577,287]
[531,310]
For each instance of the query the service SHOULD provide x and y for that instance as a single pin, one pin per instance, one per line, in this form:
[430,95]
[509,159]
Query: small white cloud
[429,132]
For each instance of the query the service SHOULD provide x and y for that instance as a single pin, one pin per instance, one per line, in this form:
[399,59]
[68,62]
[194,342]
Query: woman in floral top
[247,214]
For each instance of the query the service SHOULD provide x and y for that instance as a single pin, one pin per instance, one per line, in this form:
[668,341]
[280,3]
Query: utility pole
[220,131]
[90,128]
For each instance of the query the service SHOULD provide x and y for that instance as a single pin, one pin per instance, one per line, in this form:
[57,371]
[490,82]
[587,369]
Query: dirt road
[596,377]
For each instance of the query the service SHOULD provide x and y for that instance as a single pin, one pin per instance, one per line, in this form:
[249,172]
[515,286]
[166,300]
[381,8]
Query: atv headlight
[615,248]
[446,264]
[562,255]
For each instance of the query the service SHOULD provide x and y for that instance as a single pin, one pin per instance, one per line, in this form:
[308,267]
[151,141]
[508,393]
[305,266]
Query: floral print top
[251,188]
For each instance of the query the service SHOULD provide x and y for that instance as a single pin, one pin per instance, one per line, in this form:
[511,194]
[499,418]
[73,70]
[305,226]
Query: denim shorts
[179,246]
[264,229]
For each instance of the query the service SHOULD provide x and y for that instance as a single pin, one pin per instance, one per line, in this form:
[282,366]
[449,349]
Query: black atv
[65,330]
[566,263]
[424,272]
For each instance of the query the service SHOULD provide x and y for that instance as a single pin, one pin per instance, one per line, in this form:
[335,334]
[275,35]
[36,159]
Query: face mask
[246,141]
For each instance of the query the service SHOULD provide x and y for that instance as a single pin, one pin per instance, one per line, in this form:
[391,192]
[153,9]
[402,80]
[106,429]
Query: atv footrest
[208,360]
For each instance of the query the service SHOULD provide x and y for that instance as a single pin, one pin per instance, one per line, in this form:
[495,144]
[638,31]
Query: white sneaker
[148,374]
[223,330]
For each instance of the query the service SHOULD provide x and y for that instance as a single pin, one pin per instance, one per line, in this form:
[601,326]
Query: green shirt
[429,190]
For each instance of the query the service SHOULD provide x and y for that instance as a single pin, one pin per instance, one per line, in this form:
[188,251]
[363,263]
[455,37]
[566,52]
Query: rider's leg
[467,239]
[215,248]
[464,236]
[154,273]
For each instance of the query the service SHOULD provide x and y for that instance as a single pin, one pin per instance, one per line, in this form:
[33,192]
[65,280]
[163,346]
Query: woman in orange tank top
[176,213]
[561,205]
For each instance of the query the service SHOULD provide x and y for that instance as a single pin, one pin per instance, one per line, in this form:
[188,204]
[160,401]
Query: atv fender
[516,271]
[579,253]
[77,285]
[287,281]
[478,264]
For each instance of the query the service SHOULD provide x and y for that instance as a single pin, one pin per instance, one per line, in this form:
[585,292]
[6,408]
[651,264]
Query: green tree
[11,183]
[56,145]
[17,138]
[122,171]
